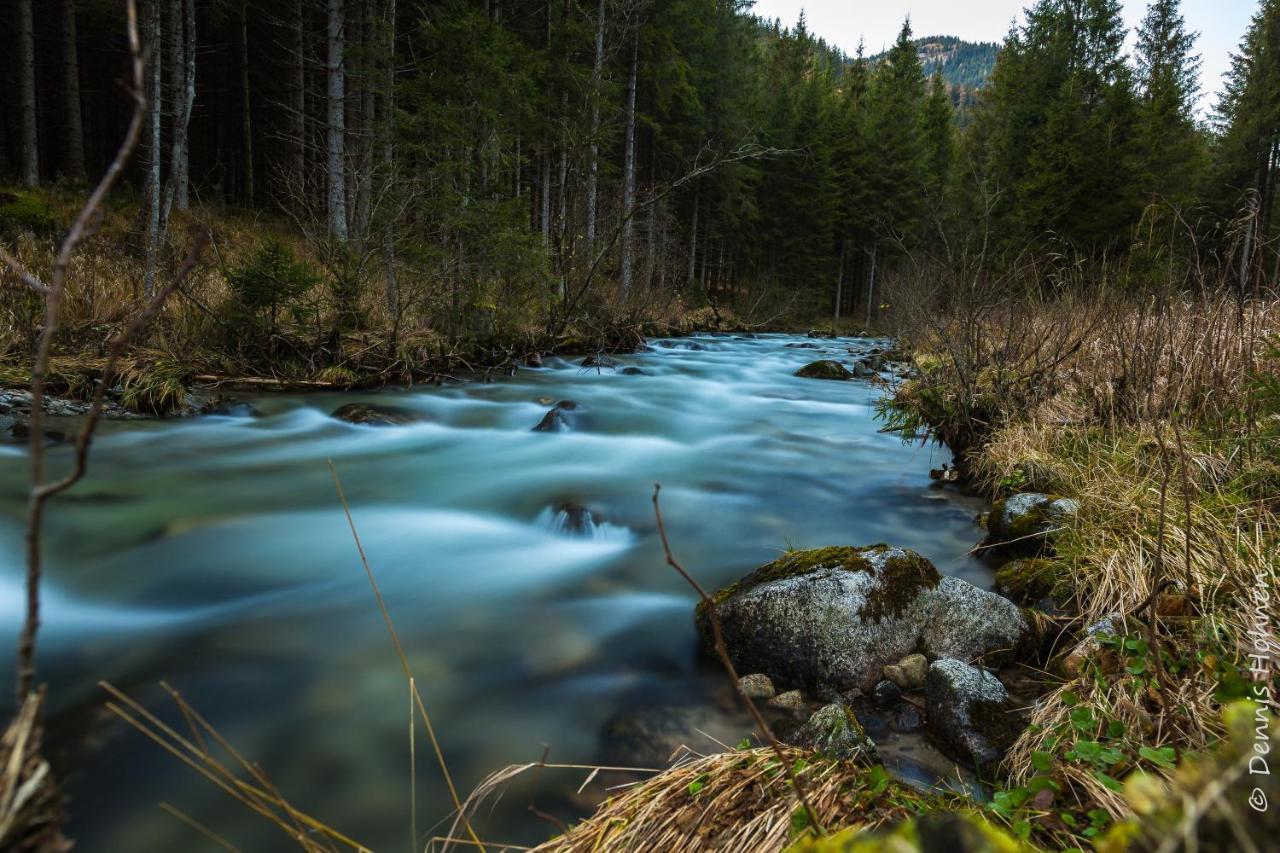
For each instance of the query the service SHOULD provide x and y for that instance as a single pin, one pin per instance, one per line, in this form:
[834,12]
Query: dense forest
[1056,256]
[475,166]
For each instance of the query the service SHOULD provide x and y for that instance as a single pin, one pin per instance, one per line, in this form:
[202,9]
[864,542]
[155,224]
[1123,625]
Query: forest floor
[268,307]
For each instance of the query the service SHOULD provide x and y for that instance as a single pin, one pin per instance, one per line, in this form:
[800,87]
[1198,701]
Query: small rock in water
[887,694]
[229,407]
[632,371]
[805,345]
[574,519]
[599,360]
[792,701]
[757,686]
[834,732]
[534,360]
[544,400]
[825,369]
[559,419]
[969,713]
[375,414]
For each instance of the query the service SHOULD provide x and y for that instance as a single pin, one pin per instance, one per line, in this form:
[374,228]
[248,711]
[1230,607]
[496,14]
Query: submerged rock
[652,737]
[1025,522]
[834,732]
[375,414]
[599,361]
[632,371]
[825,369]
[574,519]
[534,360]
[229,407]
[559,419]
[832,618]
[969,713]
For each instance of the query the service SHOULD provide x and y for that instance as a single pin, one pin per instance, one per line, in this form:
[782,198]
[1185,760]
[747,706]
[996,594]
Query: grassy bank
[1162,418]
[271,301]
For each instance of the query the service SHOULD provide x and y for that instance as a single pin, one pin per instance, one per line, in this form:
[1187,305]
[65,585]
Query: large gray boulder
[1025,522]
[969,714]
[825,369]
[833,618]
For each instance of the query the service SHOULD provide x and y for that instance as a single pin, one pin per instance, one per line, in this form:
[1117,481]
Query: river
[213,553]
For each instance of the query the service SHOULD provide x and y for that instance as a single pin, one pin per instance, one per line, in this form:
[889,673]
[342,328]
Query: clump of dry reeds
[31,812]
[743,800]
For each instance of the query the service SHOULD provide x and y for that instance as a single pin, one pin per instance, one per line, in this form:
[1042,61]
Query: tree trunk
[27,96]
[335,129]
[839,282]
[368,131]
[593,166]
[298,106]
[389,164]
[693,233]
[183,96]
[250,188]
[629,168]
[153,177]
[871,283]
[73,151]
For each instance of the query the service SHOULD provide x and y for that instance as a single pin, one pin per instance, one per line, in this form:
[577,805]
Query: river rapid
[213,553]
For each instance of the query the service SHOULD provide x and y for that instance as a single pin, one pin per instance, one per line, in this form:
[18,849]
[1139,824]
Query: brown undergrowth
[1155,414]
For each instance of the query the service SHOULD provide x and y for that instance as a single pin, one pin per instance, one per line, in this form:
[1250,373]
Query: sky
[1221,24]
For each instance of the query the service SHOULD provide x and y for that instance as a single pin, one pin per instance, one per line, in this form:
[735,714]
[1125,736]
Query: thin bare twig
[722,653]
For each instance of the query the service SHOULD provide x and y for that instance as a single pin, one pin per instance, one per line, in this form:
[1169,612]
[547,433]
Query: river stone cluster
[831,619]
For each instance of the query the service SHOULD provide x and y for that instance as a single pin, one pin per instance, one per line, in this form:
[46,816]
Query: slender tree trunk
[335,129]
[544,213]
[871,283]
[250,186]
[27,95]
[368,130]
[693,233]
[73,151]
[629,168]
[839,282]
[389,165]
[298,104]
[153,178]
[593,166]
[182,93]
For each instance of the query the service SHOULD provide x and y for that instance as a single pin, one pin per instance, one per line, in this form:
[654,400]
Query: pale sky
[1221,24]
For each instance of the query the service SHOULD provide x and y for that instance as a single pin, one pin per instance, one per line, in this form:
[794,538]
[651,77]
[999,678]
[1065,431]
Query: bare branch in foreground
[723,654]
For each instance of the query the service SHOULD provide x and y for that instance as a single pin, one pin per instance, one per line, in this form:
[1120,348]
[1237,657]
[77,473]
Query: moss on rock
[825,369]
[1027,581]
[22,212]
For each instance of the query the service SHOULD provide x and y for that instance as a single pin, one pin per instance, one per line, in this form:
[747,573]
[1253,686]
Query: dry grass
[743,801]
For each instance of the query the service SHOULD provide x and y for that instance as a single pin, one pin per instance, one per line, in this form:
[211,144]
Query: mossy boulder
[24,213]
[1026,522]
[834,732]
[833,618]
[969,713]
[1027,581]
[376,414]
[824,369]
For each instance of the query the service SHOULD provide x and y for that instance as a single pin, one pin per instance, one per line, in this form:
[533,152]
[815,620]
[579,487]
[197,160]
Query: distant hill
[965,65]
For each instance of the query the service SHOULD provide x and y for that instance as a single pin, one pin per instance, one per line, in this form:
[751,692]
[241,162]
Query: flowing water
[214,554]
